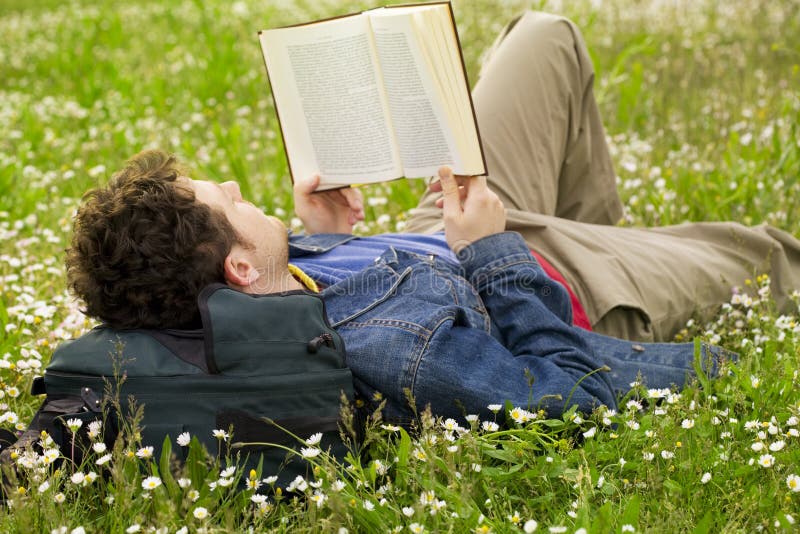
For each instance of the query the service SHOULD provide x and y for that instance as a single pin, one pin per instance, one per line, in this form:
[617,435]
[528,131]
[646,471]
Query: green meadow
[701,100]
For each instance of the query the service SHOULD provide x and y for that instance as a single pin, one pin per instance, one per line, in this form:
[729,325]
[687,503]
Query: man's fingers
[355,201]
[354,198]
[436,184]
[462,192]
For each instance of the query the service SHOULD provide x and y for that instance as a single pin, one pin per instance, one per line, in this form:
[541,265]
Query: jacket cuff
[494,252]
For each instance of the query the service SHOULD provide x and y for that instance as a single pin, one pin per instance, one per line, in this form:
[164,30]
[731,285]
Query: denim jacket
[493,329]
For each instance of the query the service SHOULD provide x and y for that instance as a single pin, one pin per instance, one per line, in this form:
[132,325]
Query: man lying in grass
[468,317]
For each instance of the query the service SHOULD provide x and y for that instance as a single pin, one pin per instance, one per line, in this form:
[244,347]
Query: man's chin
[276,222]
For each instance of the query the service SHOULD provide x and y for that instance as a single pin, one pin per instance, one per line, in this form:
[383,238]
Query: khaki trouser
[548,161]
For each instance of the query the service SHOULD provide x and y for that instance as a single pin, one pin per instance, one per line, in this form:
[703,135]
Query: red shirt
[579,317]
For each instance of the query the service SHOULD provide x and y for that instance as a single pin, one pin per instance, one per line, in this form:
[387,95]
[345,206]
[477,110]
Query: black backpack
[257,356]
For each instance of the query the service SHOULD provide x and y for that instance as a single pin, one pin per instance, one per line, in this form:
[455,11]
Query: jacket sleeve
[539,360]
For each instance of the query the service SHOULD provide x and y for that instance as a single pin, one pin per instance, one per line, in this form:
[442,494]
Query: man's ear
[239,271]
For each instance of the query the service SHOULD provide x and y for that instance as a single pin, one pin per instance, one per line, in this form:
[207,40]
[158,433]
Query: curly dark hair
[143,247]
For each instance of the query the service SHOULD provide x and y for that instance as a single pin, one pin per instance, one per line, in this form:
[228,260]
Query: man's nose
[232,188]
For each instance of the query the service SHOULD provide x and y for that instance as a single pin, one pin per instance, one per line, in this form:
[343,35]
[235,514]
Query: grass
[701,105]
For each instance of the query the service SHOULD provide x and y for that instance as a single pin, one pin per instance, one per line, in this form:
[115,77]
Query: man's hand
[469,208]
[331,211]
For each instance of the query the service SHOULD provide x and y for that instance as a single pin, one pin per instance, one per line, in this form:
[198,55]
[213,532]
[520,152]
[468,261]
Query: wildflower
[408,511]
[777,445]
[490,426]
[632,424]
[530,526]
[494,408]
[520,416]
[299,483]
[220,435]
[99,447]
[369,506]
[483,529]
[633,405]
[74,424]
[755,381]
[427,497]
[757,446]
[687,423]
[793,482]
[184,438]
[515,518]
[103,459]
[94,429]
[705,478]
[600,481]
[557,529]
[766,460]
[471,418]
[590,433]
[337,485]
[59,498]
[271,479]
[77,477]
[91,476]
[49,456]
[628,528]
[151,483]
[310,452]
[184,482]
[78,530]
[420,455]
[391,428]
[228,472]
[200,512]
[416,528]
[193,495]
[319,499]
[314,439]
[477,468]
[183,530]
[44,486]
[224,482]
[667,455]
[136,527]
[145,452]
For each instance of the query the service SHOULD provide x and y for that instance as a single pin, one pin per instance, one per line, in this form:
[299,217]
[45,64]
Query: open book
[374,96]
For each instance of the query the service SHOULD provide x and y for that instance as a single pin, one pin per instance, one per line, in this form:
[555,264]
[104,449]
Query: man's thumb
[307,185]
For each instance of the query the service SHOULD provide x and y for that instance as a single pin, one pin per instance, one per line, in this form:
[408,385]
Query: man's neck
[278,284]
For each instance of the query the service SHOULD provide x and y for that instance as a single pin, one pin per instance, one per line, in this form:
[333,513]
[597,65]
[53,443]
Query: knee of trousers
[548,34]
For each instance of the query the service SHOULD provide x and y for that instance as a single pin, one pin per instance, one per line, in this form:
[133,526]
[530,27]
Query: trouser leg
[645,283]
[541,131]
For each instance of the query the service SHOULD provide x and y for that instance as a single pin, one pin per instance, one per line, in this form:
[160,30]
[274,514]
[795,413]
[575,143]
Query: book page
[330,104]
[423,135]
[443,52]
